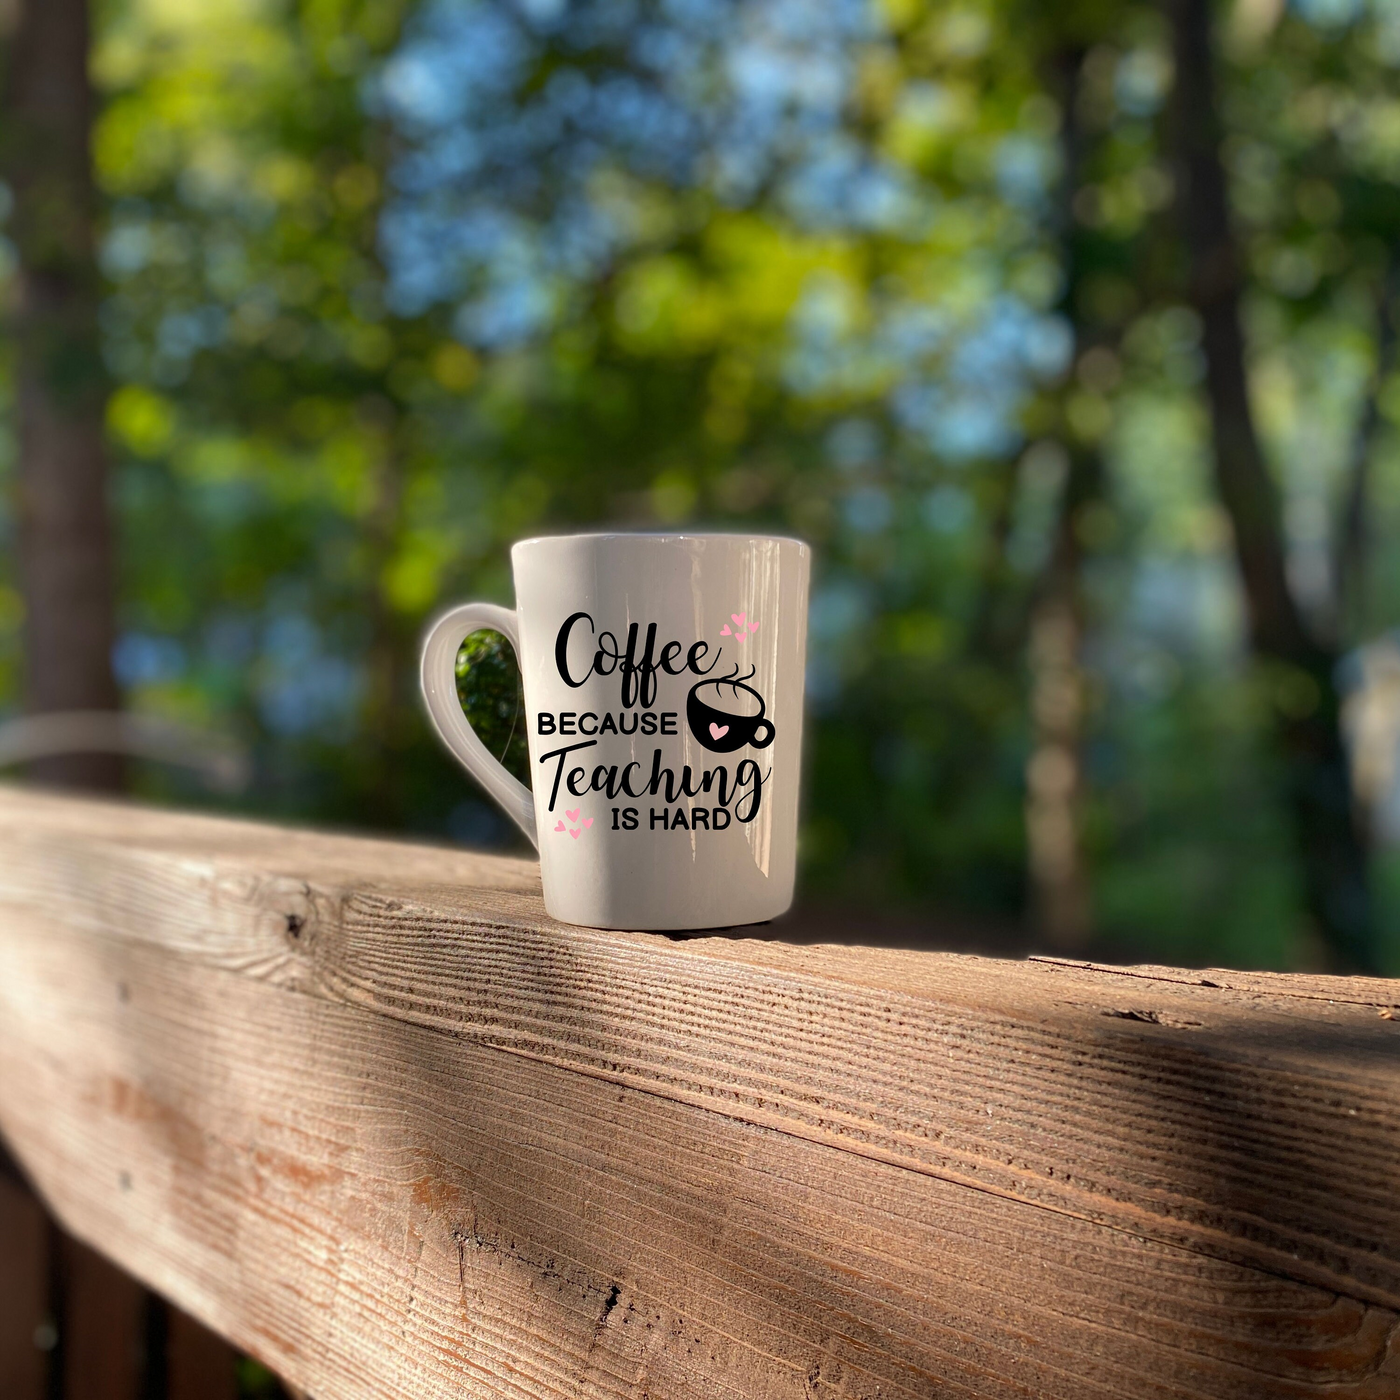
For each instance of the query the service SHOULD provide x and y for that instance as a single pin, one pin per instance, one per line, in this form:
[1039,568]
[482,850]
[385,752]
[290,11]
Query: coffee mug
[663,681]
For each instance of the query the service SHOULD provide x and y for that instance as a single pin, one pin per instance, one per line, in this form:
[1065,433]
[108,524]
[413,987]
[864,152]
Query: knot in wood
[292,910]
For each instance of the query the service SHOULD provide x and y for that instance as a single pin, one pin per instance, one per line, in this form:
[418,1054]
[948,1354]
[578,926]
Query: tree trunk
[65,538]
[1054,772]
[388,711]
[1306,709]
[1351,565]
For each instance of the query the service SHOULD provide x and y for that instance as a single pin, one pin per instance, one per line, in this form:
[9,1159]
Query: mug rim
[676,535]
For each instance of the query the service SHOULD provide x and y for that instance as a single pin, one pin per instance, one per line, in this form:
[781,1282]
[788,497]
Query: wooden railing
[366,1111]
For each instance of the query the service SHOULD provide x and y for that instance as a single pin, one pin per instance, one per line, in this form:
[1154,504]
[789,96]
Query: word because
[567,722]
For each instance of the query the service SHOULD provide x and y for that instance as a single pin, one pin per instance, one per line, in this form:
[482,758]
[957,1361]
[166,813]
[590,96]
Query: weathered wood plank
[369,1113]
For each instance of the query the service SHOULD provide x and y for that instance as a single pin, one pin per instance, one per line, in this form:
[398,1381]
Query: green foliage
[256,1382]
[493,699]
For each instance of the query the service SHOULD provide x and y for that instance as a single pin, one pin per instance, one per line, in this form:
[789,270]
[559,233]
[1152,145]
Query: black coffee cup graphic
[722,715]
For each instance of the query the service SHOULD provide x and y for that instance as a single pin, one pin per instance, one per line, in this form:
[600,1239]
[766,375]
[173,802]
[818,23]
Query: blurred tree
[1080,53]
[273,404]
[66,567]
[1356,534]
[1057,699]
[1304,663]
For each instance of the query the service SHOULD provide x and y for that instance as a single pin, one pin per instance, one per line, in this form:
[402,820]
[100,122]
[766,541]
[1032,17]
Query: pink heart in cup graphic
[725,713]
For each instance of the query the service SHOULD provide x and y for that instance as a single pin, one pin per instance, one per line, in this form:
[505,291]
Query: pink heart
[560,827]
[724,631]
[737,618]
[718,731]
[573,831]
[572,816]
[588,821]
[753,627]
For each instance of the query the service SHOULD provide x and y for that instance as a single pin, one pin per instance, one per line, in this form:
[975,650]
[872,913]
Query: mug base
[637,921]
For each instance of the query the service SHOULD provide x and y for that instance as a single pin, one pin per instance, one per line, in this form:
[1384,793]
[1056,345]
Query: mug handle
[767,726]
[439,679]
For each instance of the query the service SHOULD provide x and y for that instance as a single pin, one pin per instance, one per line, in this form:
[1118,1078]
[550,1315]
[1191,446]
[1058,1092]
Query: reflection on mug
[726,714]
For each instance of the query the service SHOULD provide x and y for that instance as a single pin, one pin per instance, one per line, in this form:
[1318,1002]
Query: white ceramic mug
[663,692]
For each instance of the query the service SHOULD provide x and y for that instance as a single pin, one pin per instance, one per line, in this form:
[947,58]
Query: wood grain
[366,1111]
